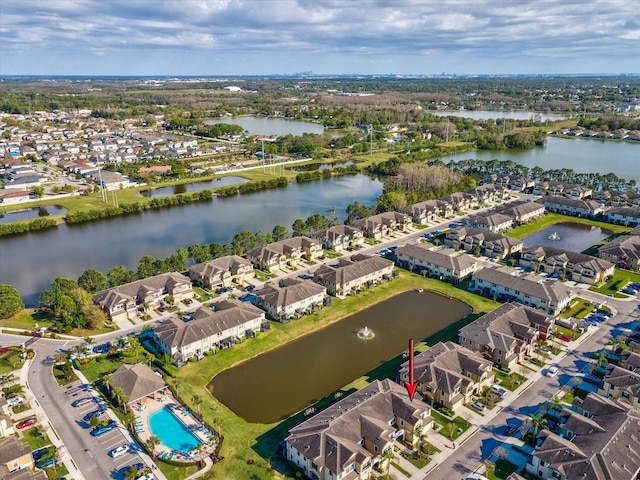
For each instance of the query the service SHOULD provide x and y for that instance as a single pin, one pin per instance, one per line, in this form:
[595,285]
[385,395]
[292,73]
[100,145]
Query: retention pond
[281,382]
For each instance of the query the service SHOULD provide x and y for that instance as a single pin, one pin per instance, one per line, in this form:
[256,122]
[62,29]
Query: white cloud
[306,34]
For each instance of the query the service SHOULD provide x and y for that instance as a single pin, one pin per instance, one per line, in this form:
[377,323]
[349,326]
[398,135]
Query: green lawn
[27,319]
[35,438]
[579,308]
[619,279]
[102,365]
[173,472]
[501,470]
[460,425]
[505,381]
[553,218]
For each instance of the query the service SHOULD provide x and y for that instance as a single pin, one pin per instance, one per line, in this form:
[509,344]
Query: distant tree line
[23,227]
[609,123]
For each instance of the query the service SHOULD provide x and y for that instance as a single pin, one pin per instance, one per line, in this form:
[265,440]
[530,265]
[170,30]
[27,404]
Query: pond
[573,236]
[579,154]
[192,187]
[31,261]
[281,382]
[310,167]
[31,213]
[271,126]
[497,114]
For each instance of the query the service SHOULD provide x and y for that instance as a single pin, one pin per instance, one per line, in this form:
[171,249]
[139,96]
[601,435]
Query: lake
[31,261]
[281,382]
[509,115]
[580,155]
[193,187]
[31,213]
[576,237]
[271,126]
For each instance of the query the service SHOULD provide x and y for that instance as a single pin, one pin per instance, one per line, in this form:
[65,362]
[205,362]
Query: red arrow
[411,385]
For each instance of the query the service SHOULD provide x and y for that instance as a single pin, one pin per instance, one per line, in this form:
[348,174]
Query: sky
[273,37]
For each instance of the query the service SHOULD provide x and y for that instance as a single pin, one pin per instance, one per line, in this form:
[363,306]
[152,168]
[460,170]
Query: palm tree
[151,445]
[196,401]
[388,455]
[106,381]
[135,347]
[538,422]
[601,357]
[88,342]
[129,419]
[176,386]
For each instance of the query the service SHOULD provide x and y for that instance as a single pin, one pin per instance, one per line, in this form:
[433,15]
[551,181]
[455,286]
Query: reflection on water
[576,237]
[192,187]
[310,167]
[271,126]
[278,383]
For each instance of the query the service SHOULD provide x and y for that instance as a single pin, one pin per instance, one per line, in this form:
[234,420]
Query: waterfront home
[286,253]
[593,439]
[122,302]
[560,188]
[339,237]
[616,198]
[111,180]
[622,381]
[623,216]
[449,374]
[24,181]
[423,212]
[380,225]
[16,461]
[575,266]
[507,285]
[208,329]
[17,196]
[522,212]
[507,334]
[623,251]
[351,275]
[221,272]
[348,439]
[443,263]
[491,222]
[572,206]
[482,242]
[290,298]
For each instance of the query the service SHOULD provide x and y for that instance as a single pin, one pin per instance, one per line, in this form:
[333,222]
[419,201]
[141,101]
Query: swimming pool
[171,431]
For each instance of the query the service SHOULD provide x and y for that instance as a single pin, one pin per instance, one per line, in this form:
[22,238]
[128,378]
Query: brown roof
[137,381]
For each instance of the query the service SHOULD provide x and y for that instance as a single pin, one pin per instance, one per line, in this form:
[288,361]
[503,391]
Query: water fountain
[365,333]
[554,236]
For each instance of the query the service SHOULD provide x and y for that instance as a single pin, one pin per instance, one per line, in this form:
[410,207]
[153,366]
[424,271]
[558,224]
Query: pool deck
[143,430]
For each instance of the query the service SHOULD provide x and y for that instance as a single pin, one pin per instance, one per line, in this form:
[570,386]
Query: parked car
[510,429]
[551,372]
[27,423]
[119,451]
[498,390]
[564,338]
[146,476]
[13,401]
[81,402]
[45,462]
[95,413]
[479,406]
[103,429]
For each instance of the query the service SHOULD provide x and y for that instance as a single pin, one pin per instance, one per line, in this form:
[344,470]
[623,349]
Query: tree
[538,422]
[38,192]
[119,275]
[356,211]
[601,357]
[151,445]
[299,228]
[316,222]
[199,253]
[10,301]
[129,419]
[94,421]
[500,452]
[279,233]
[147,267]
[197,400]
[93,281]
[135,347]
[88,341]
[389,456]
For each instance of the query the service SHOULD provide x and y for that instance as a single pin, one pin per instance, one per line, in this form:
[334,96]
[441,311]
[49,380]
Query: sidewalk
[53,436]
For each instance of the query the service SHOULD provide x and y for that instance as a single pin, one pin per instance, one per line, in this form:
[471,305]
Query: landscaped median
[250,450]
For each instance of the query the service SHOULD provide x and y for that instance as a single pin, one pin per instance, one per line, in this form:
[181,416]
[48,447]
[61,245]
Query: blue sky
[261,37]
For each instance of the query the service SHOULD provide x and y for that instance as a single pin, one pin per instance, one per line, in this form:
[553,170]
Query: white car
[148,476]
[552,372]
[478,406]
[118,451]
[12,402]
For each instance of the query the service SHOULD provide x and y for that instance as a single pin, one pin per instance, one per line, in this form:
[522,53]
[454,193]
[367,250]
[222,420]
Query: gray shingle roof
[137,381]
[533,285]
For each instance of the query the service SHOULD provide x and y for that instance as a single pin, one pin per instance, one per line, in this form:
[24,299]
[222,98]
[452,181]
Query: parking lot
[83,403]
